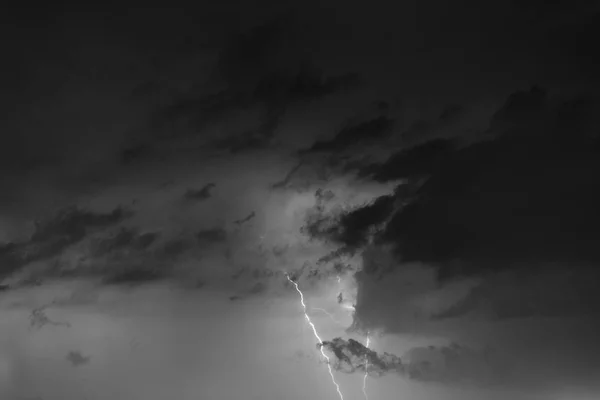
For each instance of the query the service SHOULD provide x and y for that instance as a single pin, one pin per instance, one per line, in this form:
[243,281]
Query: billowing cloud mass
[496,229]
[475,207]
[52,236]
[352,356]
[427,174]
[451,364]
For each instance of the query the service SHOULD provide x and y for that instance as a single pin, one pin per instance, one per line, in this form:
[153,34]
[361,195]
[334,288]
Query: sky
[186,192]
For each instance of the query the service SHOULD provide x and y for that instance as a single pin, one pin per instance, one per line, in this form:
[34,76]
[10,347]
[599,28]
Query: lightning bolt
[366,371]
[314,329]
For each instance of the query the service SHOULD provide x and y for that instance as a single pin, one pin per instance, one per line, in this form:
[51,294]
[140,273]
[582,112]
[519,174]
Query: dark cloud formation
[550,294]
[270,100]
[251,273]
[124,238]
[358,134]
[500,201]
[134,275]
[245,219]
[352,356]
[38,319]
[270,50]
[132,154]
[71,224]
[141,261]
[256,289]
[53,235]
[96,107]
[452,364]
[282,184]
[456,364]
[175,247]
[262,51]
[210,236]
[526,194]
[266,71]
[80,243]
[203,193]
[352,229]
[451,113]
[446,124]
[413,163]
[77,359]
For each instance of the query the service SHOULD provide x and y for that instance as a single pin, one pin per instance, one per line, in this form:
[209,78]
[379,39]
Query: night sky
[263,200]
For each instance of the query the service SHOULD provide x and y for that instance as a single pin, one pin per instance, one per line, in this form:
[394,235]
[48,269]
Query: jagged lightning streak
[337,387]
[366,371]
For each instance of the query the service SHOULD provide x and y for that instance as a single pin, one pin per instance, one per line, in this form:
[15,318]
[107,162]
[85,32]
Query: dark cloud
[449,123]
[175,247]
[353,229]
[118,256]
[255,273]
[145,240]
[451,114]
[317,222]
[254,282]
[265,71]
[134,274]
[527,194]
[263,50]
[255,289]
[258,288]
[72,224]
[452,364]
[551,293]
[38,319]
[134,153]
[270,99]
[352,356]
[77,359]
[250,140]
[520,108]
[500,201]
[199,110]
[203,193]
[53,235]
[308,84]
[524,195]
[415,162]
[210,236]
[282,184]
[455,364]
[362,133]
[124,238]
[245,219]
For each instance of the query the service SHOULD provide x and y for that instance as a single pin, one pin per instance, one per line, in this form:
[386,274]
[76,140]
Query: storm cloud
[425,172]
[537,173]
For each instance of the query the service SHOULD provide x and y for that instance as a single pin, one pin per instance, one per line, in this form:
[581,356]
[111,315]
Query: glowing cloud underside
[314,329]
